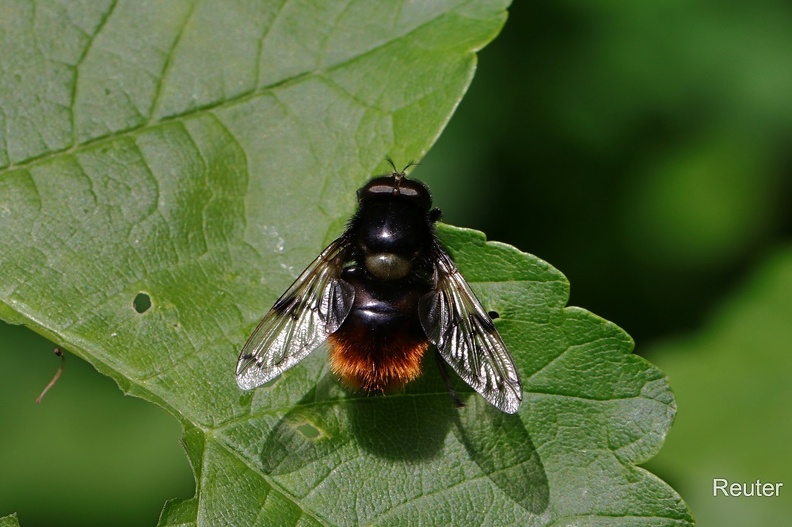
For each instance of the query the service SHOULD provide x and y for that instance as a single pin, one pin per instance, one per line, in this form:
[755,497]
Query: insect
[380,295]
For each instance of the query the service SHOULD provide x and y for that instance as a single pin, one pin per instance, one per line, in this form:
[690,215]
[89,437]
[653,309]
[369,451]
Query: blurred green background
[642,148]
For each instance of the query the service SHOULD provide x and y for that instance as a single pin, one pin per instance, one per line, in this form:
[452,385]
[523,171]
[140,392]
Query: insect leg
[441,365]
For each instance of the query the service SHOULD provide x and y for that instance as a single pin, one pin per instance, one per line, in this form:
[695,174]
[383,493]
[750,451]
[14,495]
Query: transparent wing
[466,338]
[313,307]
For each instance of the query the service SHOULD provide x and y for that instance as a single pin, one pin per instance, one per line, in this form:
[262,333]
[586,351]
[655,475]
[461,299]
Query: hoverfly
[380,294]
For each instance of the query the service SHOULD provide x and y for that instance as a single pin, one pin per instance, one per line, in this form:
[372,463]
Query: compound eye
[388,266]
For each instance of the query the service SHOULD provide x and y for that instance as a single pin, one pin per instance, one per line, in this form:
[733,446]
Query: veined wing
[313,307]
[466,338]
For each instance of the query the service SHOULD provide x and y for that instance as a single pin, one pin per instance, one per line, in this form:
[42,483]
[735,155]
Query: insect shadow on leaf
[409,426]
[514,466]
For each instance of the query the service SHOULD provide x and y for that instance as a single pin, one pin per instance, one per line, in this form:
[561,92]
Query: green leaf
[9,521]
[733,380]
[166,170]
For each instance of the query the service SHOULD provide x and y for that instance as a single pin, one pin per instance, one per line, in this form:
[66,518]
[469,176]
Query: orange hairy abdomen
[376,363]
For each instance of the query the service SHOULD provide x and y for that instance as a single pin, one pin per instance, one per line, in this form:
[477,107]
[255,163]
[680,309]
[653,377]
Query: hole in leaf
[493,315]
[142,303]
[309,431]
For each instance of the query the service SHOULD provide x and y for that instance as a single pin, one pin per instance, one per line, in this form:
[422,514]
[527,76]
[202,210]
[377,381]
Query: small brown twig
[60,354]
